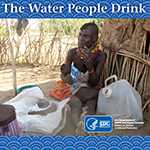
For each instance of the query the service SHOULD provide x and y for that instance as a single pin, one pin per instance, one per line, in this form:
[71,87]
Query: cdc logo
[95,123]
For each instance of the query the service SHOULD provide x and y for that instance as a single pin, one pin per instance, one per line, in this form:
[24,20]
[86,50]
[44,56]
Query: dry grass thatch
[131,41]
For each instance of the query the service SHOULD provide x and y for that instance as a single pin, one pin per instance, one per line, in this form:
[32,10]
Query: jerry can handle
[111,77]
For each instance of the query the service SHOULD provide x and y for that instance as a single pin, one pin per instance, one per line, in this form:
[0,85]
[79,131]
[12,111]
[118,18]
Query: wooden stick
[123,66]
[146,77]
[142,82]
[117,67]
[128,70]
[113,63]
[133,72]
[146,104]
[12,58]
[136,75]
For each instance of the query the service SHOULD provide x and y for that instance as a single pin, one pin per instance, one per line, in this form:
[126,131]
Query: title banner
[75,9]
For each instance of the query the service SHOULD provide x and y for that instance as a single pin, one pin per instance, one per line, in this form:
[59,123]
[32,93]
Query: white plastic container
[120,100]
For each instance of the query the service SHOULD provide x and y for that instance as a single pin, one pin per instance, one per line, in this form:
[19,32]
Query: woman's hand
[86,58]
[65,69]
[66,78]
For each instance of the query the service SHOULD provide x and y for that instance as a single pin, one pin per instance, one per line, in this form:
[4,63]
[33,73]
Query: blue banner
[75,143]
[75,9]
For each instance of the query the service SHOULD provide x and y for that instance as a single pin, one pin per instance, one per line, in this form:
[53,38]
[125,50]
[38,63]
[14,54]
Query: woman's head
[88,35]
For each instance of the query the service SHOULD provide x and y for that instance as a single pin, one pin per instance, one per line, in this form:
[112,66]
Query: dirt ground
[26,74]
[45,77]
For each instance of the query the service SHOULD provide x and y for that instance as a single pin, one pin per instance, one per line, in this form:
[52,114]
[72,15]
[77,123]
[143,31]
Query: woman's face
[85,39]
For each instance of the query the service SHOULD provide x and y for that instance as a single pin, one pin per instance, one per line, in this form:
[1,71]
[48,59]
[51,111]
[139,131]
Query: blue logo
[95,123]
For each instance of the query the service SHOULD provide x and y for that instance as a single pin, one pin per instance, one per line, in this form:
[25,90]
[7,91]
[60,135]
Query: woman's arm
[66,67]
[95,73]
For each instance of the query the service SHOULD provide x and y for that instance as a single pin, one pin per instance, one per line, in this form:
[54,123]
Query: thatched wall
[131,40]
